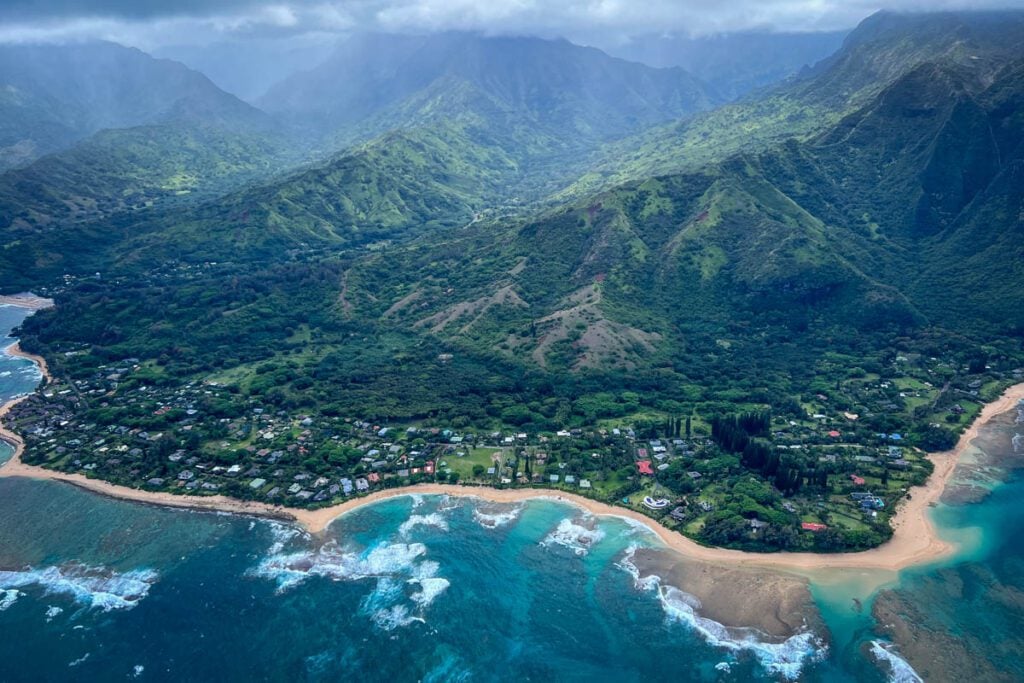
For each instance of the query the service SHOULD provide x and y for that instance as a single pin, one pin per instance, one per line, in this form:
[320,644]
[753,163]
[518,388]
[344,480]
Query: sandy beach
[914,540]
[26,300]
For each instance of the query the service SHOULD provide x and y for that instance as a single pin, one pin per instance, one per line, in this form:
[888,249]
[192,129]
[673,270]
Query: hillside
[880,50]
[734,64]
[377,82]
[896,218]
[53,96]
[130,169]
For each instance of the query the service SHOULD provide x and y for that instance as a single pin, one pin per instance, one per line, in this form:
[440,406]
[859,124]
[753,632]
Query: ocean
[18,376]
[431,588]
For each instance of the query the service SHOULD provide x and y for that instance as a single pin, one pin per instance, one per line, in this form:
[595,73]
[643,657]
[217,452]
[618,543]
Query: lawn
[474,456]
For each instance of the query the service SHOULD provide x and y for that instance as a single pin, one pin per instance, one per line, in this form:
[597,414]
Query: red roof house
[813,526]
[859,481]
[644,467]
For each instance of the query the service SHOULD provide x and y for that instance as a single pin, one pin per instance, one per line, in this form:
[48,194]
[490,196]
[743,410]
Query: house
[553,478]
[257,483]
[644,467]
[813,526]
[859,481]
[584,483]
[756,524]
[362,484]
[569,479]
[294,488]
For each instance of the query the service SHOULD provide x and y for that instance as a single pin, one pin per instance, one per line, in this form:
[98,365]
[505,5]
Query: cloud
[149,23]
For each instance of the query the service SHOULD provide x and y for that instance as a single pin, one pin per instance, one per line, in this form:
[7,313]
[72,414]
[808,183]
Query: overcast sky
[153,23]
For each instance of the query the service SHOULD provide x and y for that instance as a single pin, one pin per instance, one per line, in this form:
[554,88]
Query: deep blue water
[424,589]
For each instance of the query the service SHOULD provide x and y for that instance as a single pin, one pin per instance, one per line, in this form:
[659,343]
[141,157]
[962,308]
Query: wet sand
[775,603]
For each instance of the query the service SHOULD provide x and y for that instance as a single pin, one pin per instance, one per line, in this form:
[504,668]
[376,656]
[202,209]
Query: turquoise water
[408,589]
[17,375]
[438,589]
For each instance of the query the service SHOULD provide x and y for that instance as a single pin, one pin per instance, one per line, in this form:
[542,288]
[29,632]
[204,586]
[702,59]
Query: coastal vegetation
[767,336]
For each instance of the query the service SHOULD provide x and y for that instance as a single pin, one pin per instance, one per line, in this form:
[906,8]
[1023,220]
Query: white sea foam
[786,659]
[331,561]
[406,582]
[396,616]
[646,583]
[417,500]
[430,588]
[449,503]
[79,660]
[575,537]
[899,669]
[52,612]
[434,519]
[137,670]
[493,520]
[8,597]
[283,534]
[93,587]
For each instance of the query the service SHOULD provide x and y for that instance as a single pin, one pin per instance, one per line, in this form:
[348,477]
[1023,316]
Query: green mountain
[52,96]
[379,82]
[734,64]
[132,169]
[470,123]
[883,223]
[904,215]
[879,51]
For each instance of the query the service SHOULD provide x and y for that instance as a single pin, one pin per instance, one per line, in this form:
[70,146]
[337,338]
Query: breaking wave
[283,534]
[434,519]
[575,537]
[786,659]
[493,520]
[93,587]
[9,597]
[899,669]
[406,582]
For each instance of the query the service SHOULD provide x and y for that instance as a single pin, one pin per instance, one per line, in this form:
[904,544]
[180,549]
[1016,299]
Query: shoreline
[915,540]
[26,300]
